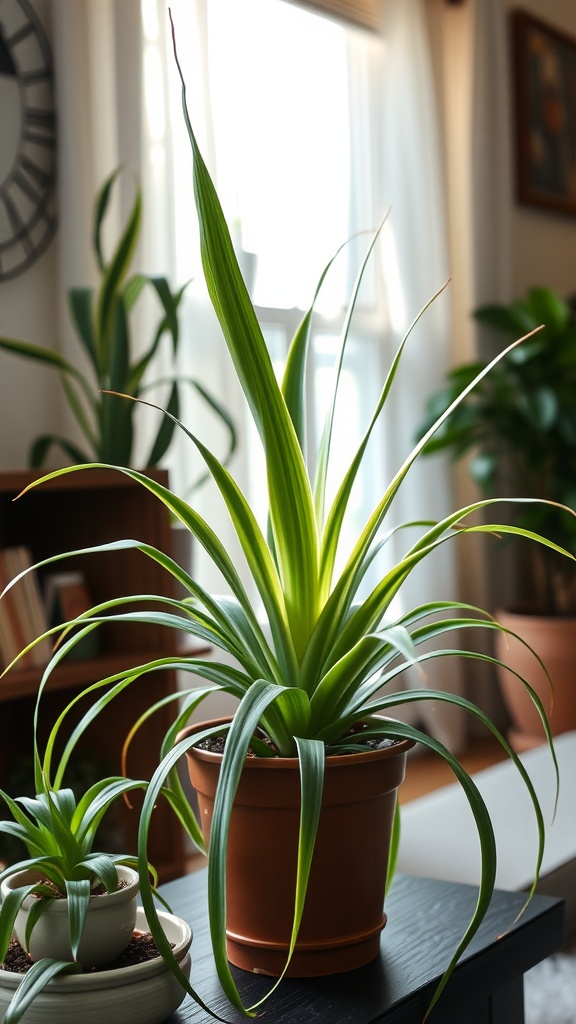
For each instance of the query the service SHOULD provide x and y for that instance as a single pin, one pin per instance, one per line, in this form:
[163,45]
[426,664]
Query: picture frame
[544,66]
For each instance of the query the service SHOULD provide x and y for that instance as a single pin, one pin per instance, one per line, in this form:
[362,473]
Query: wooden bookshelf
[79,510]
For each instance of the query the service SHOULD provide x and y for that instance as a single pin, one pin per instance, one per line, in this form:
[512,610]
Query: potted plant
[316,686]
[111,358]
[518,427]
[68,910]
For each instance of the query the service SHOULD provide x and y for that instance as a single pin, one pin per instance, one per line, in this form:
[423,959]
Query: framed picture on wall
[544,63]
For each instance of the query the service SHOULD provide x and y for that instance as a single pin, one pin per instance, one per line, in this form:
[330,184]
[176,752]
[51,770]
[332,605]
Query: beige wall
[544,244]
[519,246]
[29,396]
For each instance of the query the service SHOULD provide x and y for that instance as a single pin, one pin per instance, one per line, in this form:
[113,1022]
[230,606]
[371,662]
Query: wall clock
[27,134]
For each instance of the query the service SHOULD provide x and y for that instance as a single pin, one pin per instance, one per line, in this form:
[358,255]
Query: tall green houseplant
[517,430]
[317,683]
[111,358]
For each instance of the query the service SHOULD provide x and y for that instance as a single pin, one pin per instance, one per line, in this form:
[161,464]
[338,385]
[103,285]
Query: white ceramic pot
[146,993]
[108,926]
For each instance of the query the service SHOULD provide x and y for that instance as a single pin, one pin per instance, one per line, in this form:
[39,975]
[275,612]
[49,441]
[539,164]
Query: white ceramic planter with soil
[108,926]
[144,993]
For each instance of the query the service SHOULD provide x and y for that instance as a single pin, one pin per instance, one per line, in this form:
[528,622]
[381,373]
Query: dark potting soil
[216,744]
[96,889]
[140,948]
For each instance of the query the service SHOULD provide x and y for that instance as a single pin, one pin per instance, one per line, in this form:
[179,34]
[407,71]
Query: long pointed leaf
[244,724]
[112,280]
[326,440]
[33,983]
[8,913]
[311,756]
[291,508]
[294,378]
[257,554]
[78,893]
[333,527]
[154,789]
[80,301]
[485,837]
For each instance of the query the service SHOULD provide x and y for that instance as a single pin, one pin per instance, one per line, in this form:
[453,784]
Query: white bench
[438,833]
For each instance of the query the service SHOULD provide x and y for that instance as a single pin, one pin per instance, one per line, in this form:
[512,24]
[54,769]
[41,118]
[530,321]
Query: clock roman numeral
[36,116]
[7,66]
[35,172]
[38,138]
[32,77]
[26,186]
[39,126]
[20,35]
[18,226]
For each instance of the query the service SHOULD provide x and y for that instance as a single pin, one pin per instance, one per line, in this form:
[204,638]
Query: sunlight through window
[281,119]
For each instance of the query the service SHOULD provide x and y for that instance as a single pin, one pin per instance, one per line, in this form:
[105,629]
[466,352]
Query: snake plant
[328,657]
[113,357]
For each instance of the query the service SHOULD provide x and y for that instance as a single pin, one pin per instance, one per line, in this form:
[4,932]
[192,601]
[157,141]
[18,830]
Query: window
[284,88]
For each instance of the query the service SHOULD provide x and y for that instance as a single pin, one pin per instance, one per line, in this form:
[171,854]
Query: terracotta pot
[554,640]
[343,916]
[108,926]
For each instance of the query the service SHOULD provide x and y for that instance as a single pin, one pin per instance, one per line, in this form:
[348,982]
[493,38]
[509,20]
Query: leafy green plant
[59,827]
[329,657]
[58,832]
[116,361]
[518,426]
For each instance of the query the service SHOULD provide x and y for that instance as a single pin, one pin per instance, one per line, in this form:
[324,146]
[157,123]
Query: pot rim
[59,905]
[533,615]
[290,763]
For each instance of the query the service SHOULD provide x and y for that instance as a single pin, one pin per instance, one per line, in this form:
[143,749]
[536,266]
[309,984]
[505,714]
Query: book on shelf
[67,597]
[22,612]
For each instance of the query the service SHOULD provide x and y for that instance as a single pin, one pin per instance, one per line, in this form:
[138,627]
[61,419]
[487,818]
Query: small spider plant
[328,657]
[59,832]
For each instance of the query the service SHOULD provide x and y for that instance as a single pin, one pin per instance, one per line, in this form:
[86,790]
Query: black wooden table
[425,920]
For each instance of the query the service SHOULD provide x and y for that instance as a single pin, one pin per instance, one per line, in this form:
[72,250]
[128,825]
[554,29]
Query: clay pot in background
[554,640]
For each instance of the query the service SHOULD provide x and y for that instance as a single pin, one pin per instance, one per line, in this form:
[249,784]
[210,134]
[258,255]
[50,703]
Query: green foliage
[57,829]
[518,429]
[330,657]
[58,832]
[111,360]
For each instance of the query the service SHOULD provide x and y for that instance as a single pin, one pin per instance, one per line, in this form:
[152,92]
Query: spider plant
[112,357]
[329,657]
[59,833]
[59,830]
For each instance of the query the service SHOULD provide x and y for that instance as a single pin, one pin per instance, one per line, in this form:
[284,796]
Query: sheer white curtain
[415,268]
[102,126]
[97,54]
